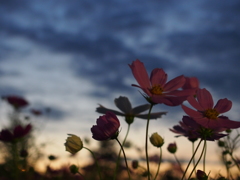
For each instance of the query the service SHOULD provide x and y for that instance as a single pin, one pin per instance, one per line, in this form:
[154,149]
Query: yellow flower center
[157,89]
[211,113]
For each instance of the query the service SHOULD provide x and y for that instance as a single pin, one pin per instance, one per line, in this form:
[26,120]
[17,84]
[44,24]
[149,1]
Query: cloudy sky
[72,55]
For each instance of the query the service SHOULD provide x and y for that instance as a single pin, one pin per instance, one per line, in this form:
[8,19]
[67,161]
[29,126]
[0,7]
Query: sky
[72,55]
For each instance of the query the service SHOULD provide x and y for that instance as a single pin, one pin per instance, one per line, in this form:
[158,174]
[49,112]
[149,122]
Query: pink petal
[223,105]
[191,82]
[158,77]
[185,92]
[205,98]
[140,74]
[203,121]
[174,83]
[168,100]
[226,123]
[194,103]
[192,113]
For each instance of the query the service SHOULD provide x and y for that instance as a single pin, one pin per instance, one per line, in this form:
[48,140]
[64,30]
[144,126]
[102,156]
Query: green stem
[119,154]
[15,160]
[95,161]
[129,176]
[191,159]
[159,163]
[179,164]
[203,150]
[204,157]
[146,141]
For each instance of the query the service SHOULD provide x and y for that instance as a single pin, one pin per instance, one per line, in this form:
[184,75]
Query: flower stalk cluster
[204,121]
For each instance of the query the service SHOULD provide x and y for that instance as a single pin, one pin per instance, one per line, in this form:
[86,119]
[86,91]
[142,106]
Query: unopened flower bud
[221,143]
[23,153]
[52,157]
[156,140]
[134,164]
[73,169]
[228,131]
[201,175]
[73,144]
[172,148]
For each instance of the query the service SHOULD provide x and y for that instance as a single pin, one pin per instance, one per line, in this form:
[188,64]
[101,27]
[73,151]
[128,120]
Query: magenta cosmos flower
[16,101]
[18,132]
[106,128]
[208,115]
[192,130]
[157,89]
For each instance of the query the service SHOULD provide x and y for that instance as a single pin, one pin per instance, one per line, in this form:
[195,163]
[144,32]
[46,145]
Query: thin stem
[179,164]
[15,160]
[99,174]
[204,157]
[159,163]
[146,141]
[119,154]
[191,159]
[203,150]
[129,176]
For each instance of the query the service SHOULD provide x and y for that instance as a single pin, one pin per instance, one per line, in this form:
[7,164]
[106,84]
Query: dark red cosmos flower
[208,115]
[36,112]
[16,101]
[192,130]
[18,132]
[106,128]
[157,89]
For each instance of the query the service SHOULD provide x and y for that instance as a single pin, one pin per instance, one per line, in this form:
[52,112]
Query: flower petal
[168,100]
[194,103]
[140,74]
[223,105]
[175,83]
[123,104]
[192,113]
[227,123]
[205,98]
[158,77]
[140,109]
[152,115]
[101,109]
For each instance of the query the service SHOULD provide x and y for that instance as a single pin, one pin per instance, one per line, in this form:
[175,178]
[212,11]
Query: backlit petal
[158,77]
[191,112]
[223,105]
[175,83]
[140,109]
[194,103]
[140,74]
[205,98]
[123,104]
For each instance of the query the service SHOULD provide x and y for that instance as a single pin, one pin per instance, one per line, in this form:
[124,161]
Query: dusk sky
[72,55]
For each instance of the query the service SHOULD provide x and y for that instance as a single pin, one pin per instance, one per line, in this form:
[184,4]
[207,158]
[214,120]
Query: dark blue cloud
[104,37]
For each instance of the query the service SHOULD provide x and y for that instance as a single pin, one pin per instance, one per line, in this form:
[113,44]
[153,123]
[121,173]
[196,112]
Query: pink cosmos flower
[157,89]
[16,101]
[106,128]
[192,130]
[208,115]
[18,132]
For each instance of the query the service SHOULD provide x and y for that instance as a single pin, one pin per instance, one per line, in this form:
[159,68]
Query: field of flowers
[202,122]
